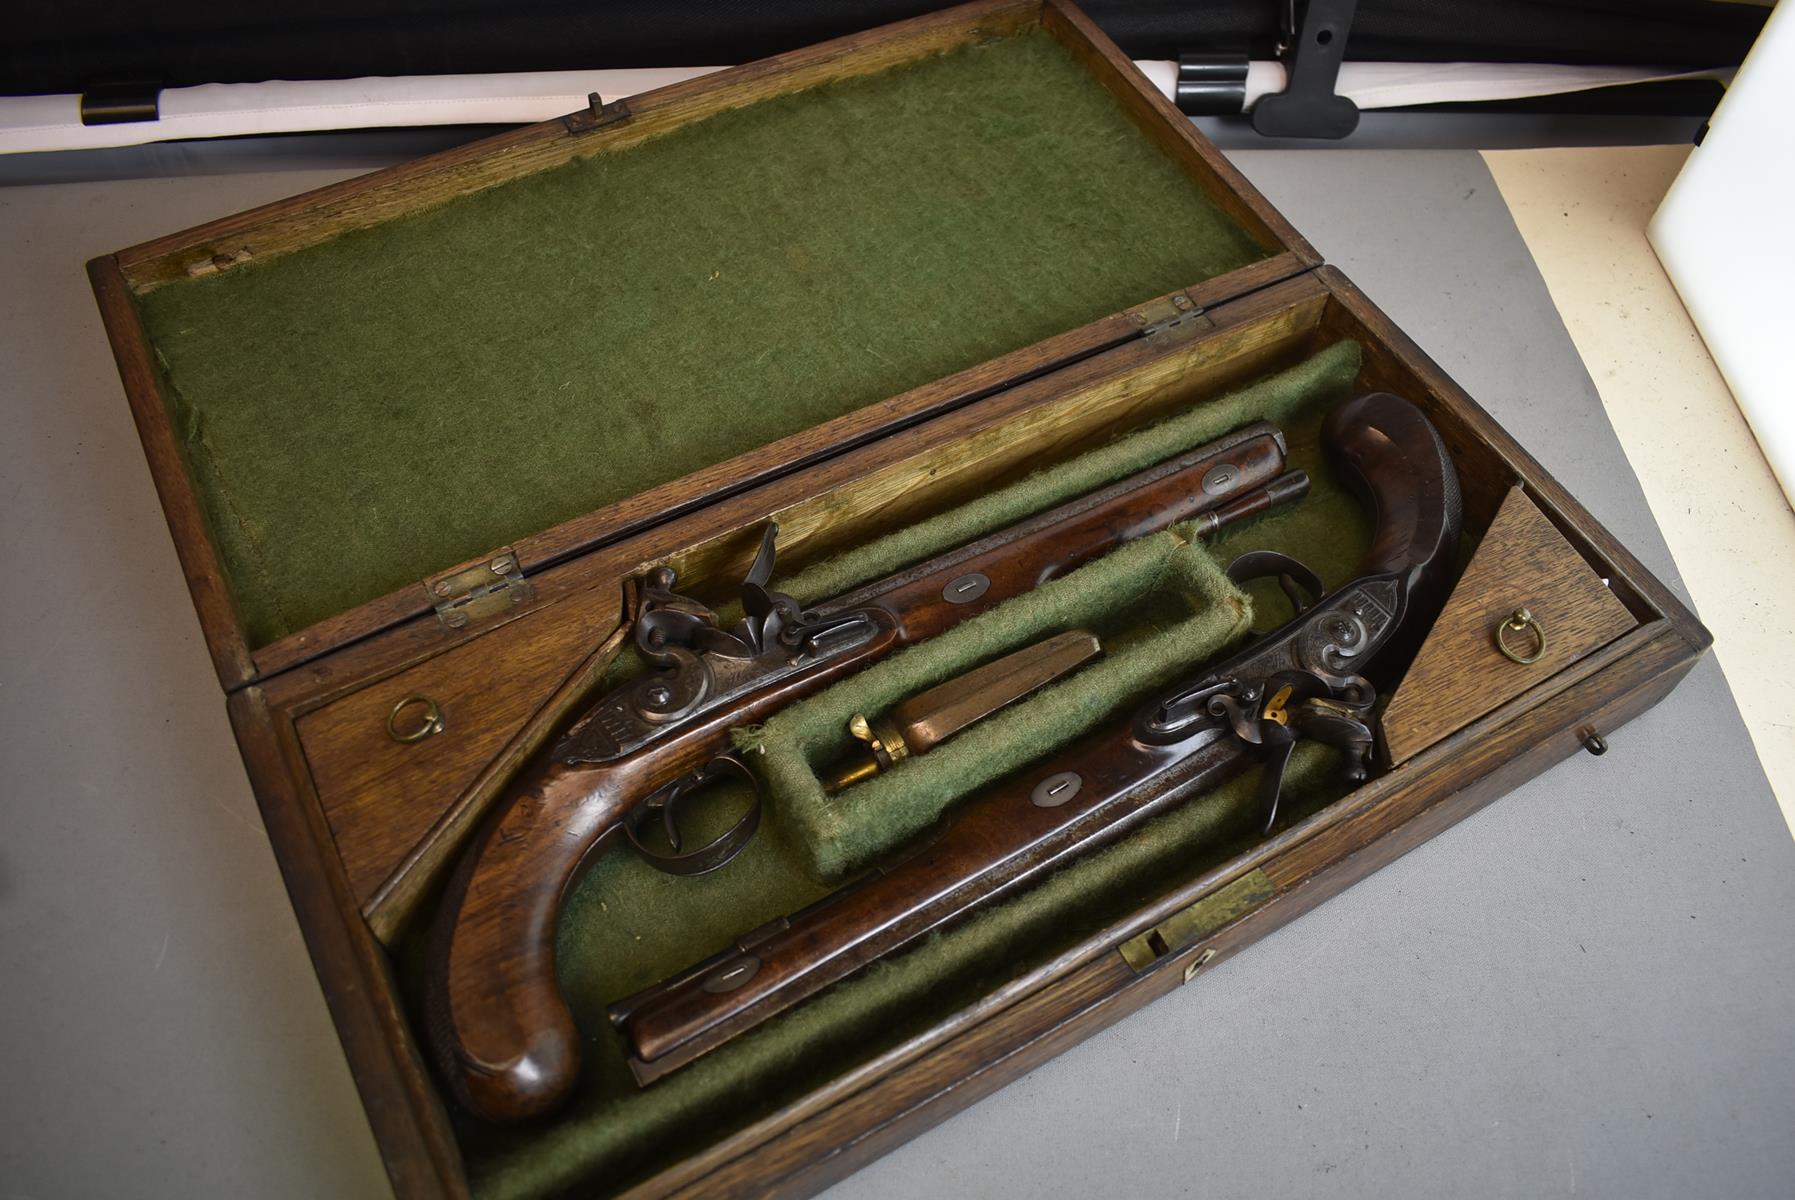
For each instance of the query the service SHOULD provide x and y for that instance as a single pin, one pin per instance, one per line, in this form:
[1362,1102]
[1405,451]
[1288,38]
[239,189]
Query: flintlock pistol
[1316,677]
[501,1031]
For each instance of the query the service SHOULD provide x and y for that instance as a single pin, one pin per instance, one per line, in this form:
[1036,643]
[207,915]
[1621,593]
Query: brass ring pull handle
[1515,624]
[429,724]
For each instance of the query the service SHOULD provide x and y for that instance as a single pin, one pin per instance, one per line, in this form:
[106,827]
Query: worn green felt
[365,412]
[842,833]
[1329,530]
[1160,606]
[627,926]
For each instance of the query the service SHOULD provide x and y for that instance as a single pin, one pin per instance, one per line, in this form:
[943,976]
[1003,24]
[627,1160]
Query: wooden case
[362,825]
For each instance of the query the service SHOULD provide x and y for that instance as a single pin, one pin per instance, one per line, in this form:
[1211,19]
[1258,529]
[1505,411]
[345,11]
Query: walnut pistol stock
[501,1032]
[1310,678]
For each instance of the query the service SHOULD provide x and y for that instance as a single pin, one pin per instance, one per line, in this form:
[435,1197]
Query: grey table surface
[1585,989]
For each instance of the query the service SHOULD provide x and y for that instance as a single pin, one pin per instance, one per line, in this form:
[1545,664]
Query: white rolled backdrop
[40,123]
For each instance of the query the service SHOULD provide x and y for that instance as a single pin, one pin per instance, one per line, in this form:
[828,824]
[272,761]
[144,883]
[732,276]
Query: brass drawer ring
[429,724]
[1516,624]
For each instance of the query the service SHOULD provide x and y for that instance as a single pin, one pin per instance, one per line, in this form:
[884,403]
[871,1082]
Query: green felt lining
[1160,605]
[1161,576]
[1297,393]
[1277,397]
[364,412]
[627,926]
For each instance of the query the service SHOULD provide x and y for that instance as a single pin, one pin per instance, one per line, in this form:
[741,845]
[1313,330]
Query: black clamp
[1312,51]
[1211,85]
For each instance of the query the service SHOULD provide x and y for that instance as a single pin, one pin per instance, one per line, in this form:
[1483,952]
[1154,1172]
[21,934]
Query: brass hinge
[597,114]
[1170,318]
[478,590]
[1189,926]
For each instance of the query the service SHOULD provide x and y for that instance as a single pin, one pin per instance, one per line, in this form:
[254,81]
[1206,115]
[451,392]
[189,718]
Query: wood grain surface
[404,1109]
[382,796]
[1459,674]
[201,563]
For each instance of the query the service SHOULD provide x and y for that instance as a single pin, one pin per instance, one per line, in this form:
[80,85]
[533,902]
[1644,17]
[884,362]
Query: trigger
[670,819]
[761,573]
[1279,744]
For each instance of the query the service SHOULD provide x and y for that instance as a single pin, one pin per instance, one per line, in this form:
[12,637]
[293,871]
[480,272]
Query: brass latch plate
[477,590]
[1188,926]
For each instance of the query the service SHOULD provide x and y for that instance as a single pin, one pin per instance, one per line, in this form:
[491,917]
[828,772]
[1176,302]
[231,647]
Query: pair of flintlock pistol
[502,1033]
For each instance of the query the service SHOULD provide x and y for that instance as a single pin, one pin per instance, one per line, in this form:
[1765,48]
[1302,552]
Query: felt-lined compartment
[1159,606]
[626,926]
[1276,397]
[364,411]
[1168,597]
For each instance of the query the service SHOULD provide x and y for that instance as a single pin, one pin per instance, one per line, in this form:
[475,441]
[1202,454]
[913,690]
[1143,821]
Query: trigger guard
[714,853]
[1293,576]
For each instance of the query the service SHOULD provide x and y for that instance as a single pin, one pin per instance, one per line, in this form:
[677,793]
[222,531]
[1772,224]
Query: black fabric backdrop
[70,47]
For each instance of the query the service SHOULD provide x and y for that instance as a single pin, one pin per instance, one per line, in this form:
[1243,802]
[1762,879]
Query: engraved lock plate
[645,709]
[1358,621]
[1332,640]
[699,667]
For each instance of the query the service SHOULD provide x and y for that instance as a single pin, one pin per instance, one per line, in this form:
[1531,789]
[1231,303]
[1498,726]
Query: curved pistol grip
[1392,455]
[503,1035]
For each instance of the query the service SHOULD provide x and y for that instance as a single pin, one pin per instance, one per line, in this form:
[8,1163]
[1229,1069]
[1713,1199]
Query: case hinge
[477,590]
[1170,318]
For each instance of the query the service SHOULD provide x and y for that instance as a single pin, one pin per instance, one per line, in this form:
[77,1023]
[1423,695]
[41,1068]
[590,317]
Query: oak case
[363,827]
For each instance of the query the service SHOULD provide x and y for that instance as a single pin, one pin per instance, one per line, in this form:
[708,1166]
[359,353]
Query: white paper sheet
[1726,237]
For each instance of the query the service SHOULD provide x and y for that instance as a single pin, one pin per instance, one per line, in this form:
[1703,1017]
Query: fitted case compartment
[942,465]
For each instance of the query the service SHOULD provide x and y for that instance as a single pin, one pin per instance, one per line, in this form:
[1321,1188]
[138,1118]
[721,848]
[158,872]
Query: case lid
[550,339]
